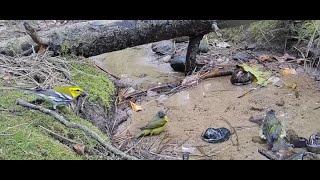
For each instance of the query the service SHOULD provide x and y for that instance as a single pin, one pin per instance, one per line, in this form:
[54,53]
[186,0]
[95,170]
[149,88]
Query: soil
[206,104]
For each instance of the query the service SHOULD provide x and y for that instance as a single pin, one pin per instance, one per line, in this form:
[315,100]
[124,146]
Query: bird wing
[53,95]
[156,123]
[276,130]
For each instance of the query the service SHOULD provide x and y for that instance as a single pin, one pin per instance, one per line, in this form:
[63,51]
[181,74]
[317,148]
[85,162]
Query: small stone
[204,45]
[181,39]
[165,47]
[166,58]
[280,102]
[178,63]
[257,139]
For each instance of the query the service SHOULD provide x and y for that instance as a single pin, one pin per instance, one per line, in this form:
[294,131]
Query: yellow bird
[61,95]
[155,127]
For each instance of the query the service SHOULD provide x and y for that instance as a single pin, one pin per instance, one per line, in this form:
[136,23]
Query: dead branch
[268,154]
[215,73]
[102,69]
[62,120]
[35,37]
[58,136]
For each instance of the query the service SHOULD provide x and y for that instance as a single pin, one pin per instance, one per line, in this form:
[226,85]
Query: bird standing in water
[155,126]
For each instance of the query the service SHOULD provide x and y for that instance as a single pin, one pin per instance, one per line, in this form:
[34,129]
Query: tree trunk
[101,36]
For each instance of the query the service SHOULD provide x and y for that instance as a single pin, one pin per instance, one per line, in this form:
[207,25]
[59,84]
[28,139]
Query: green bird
[155,126]
[273,131]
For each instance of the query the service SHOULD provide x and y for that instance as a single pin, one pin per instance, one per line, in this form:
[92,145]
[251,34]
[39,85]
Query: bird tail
[142,133]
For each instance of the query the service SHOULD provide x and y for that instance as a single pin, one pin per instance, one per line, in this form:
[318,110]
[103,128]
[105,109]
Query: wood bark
[101,36]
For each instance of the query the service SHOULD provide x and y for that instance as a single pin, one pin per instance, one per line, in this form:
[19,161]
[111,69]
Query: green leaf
[260,76]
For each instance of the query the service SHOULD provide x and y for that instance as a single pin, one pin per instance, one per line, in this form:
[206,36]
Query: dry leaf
[292,86]
[79,148]
[265,58]
[283,58]
[135,107]
[288,71]
[286,56]
[261,76]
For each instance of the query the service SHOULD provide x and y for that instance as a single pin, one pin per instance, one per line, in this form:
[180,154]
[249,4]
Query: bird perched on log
[273,131]
[57,96]
[155,126]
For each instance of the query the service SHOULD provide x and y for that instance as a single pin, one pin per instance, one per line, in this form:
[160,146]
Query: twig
[248,92]
[234,130]
[134,145]
[59,136]
[1,134]
[8,128]
[62,120]
[267,154]
[118,78]
[316,108]
[265,38]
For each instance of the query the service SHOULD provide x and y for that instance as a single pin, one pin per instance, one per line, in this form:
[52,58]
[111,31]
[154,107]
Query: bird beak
[84,93]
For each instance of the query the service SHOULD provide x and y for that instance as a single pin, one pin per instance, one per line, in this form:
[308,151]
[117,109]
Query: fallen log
[101,36]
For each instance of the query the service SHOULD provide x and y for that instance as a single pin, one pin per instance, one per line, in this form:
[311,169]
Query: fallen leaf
[260,76]
[288,71]
[79,148]
[264,58]
[292,86]
[286,56]
[135,107]
[283,58]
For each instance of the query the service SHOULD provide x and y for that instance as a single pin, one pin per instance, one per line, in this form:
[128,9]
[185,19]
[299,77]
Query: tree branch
[62,120]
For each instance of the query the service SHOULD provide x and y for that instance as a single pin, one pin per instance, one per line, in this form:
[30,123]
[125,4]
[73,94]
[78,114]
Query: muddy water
[138,65]
[194,110]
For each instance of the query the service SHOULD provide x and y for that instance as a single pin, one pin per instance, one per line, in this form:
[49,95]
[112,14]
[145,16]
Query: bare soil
[205,105]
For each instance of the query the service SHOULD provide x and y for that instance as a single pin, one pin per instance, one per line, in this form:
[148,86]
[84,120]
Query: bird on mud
[155,126]
[273,131]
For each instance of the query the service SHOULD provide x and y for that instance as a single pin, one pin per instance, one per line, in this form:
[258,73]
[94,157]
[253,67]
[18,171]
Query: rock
[25,46]
[181,39]
[311,156]
[280,102]
[242,56]
[313,145]
[240,77]
[222,45]
[257,139]
[165,47]
[204,44]
[250,47]
[166,58]
[295,140]
[142,75]
[178,63]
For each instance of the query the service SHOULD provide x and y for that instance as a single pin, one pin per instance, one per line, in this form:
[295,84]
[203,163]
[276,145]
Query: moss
[25,138]
[99,87]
